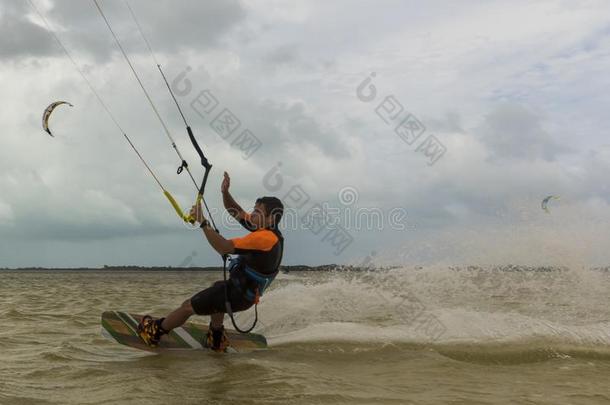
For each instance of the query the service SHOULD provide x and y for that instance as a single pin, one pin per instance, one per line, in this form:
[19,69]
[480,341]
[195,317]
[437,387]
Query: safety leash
[228,302]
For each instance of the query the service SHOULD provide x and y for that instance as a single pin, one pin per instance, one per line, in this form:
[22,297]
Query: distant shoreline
[297,268]
[285,269]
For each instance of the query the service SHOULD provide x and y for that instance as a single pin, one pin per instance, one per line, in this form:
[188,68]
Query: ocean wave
[479,313]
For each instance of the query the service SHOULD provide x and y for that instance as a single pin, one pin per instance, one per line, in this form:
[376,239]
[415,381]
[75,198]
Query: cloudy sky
[472,113]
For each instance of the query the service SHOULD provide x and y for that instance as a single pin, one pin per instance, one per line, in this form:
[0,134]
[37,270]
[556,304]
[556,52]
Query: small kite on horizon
[545,202]
[47,114]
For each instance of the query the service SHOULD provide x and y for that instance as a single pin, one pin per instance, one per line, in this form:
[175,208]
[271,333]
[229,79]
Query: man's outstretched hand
[197,213]
[226,183]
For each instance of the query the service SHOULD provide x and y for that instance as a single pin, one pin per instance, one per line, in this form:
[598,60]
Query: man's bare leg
[178,317]
[217,320]
[216,333]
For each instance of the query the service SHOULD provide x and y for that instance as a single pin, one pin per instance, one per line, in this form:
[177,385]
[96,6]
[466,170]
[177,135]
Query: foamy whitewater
[407,335]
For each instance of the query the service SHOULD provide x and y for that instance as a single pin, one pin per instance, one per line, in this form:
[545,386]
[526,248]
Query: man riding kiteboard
[259,255]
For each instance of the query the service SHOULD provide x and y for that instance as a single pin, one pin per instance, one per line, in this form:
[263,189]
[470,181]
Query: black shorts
[212,300]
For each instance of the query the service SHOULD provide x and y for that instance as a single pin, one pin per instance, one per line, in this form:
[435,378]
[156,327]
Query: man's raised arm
[232,207]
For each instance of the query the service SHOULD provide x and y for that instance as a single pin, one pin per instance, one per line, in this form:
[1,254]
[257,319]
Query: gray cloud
[192,26]
[512,131]
[186,25]
[19,37]
[283,55]
[291,124]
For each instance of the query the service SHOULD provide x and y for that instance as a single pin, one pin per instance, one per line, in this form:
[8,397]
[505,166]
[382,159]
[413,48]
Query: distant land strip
[285,269]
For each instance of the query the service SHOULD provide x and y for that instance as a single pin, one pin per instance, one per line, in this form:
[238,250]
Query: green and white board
[121,327]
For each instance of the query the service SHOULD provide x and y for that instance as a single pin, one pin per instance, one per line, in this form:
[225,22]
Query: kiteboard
[121,327]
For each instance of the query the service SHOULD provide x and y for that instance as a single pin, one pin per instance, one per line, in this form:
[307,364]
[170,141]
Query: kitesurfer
[259,255]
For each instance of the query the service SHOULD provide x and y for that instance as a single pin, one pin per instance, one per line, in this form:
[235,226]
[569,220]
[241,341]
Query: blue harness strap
[261,281]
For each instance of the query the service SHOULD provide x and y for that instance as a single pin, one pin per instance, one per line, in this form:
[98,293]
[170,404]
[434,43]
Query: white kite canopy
[47,114]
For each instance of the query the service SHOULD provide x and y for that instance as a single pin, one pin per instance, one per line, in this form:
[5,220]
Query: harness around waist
[256,283]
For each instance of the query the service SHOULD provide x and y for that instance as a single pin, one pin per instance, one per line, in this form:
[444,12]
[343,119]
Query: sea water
[421,335]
